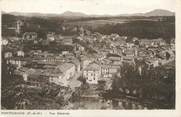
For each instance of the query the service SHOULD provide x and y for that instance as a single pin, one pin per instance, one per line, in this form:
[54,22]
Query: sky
[96,7]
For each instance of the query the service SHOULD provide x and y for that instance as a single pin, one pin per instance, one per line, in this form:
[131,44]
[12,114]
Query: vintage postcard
[89,57]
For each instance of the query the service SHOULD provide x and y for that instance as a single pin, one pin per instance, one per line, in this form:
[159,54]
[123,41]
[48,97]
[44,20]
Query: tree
[167,55]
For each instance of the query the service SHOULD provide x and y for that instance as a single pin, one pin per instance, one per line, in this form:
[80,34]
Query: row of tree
[155,85]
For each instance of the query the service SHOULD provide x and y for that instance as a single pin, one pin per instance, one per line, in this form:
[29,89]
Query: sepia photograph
[88,55]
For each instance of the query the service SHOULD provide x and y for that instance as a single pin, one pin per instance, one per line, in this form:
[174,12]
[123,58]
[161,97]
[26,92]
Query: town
[86,70]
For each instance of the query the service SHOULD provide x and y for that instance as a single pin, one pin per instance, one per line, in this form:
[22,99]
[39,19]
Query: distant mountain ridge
[160,12]
[156,12]
[73,14]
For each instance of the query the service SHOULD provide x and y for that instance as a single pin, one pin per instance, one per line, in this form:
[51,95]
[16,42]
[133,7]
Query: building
[152,42]
[114,69]
[130,52]
[33,77]
[16,61]
[99,56]
[57,78]
[67,70]
[19,25]
[4,42]
[105,71]
[116,60]
[59,75]
[74,83]
[128,59]
[85,61]
[152,62]
[78,47]
[66,40]
[50,36]
[76,62]
[20,53]
[92,73]
[8,54]
[108,71]
[30,36]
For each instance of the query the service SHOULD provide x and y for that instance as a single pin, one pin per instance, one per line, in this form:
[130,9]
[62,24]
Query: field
[133,26]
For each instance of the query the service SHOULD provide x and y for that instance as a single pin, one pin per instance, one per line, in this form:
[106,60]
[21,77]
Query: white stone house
[92,73]
[20,53]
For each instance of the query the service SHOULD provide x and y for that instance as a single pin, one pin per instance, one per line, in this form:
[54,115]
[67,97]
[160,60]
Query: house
[65,52]
[68,69]
[8,54]
[146,43]
[124,37]
[152,62]
[49,60]
[30,36]
[76,62]
[105,61]
[135,39]
[130,45]
[130,52]
[172,43]
[25,77]
[67,40]
[85,61]
[114,69]
[20,53]
[51,36]
[74,83]
[18,62]
[152,42]
[4,41]
[79,38]
[108,71]
[58,79]
[59,75]
[92,73]
[159,42]
[116,60]
[46,54]
[99,56]
[22,71]
[121,42]
[78,47]
[105,71]
[128,59]
[35,52]
[33,77]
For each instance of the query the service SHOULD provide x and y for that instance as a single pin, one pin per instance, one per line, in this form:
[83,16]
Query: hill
[159,12]
[71,14]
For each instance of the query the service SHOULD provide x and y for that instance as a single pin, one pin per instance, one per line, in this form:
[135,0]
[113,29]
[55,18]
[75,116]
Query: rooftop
[93,66]
[65,66]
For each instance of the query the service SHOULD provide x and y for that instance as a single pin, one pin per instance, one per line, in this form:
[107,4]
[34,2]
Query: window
[92,74]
